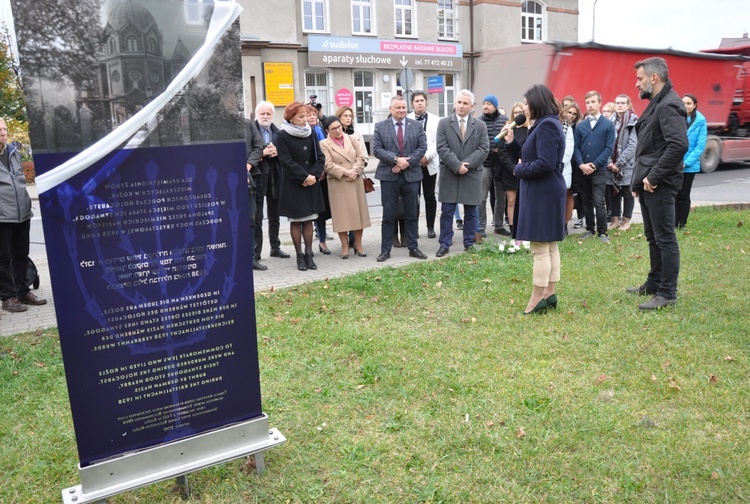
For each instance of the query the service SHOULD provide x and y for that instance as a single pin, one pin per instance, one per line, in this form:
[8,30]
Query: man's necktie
[400,138]
[266,135]
[463,129]
[592,120]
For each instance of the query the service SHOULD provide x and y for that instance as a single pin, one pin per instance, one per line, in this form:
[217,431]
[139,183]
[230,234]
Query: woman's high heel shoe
[540,308]
[301,264]
[552,301]
[309,261]
[358,253]
[325,251]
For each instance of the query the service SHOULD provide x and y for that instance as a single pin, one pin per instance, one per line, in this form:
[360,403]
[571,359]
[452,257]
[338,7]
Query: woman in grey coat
[622,162]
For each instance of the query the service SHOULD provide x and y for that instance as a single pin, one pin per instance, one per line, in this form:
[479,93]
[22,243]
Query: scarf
[296,131]
[620,137]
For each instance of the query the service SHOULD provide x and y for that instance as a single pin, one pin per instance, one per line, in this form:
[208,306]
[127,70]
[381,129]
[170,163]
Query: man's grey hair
[468,93]
[396,98]
[656,66]
[264,104]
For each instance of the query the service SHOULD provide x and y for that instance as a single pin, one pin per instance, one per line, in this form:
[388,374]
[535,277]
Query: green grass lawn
[426,384]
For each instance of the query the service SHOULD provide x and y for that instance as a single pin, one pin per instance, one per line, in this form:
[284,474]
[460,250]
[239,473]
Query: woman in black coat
[541,195]
[302,163]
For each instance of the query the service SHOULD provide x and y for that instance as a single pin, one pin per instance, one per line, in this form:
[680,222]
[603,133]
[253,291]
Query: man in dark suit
[657,177]
[270,180]
[462,145]
[254,148]
[399,143]
[594,143]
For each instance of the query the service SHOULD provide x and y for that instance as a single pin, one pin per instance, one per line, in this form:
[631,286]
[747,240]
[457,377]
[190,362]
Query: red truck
[720,79]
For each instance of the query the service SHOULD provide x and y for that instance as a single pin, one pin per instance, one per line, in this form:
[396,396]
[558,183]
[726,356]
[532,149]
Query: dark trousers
[430,203]
[272,204]
[389,193]
[657,209]
[682,202]
[623,203]
[14,259]
[471,217]
[592,189]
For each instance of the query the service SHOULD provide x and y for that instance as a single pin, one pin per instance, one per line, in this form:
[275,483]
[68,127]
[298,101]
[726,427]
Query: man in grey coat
[462,146]
[15,223]
[657,176]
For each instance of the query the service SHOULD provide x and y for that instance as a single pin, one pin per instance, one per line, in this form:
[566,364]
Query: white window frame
[314,27]
[534,23]
[317,87]
[195,11]
[447,11]
[359,7]
[400,7]
[447,99]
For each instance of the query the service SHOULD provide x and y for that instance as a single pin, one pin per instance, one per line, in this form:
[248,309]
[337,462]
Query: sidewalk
[283,273]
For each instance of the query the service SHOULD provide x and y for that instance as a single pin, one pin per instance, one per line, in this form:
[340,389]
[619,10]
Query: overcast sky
[687,25]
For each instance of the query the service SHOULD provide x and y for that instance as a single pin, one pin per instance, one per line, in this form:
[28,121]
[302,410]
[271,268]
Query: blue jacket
[594,146]
[696,133]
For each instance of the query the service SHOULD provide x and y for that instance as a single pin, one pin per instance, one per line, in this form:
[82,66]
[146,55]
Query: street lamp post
[593,24]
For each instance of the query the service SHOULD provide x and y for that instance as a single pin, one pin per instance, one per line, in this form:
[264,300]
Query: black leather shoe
[13,305]
[657,303]
[309,261]
[301,264]
[257,266]
[417,254]
[459,224]
[280,254]
[642,290]
[441,252]
[383,257]
[31,299]
[540,308]
[325,251]
[431,233]
[469,248]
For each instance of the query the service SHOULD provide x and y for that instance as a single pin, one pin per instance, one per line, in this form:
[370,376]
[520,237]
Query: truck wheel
[711,155]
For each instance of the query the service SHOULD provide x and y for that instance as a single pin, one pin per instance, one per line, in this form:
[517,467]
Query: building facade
[362,52]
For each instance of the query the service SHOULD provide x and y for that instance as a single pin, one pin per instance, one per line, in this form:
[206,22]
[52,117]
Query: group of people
[535,164]
[309,169]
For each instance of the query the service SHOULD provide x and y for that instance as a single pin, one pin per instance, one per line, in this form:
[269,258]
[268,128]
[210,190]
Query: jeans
[623,195]
[682,203]
[499,208]
[14,259]
[446,224]
[657,209]
[389,193]
[592,189]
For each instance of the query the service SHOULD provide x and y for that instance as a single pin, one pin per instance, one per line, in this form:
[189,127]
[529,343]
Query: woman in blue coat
[696,133]
[541,195]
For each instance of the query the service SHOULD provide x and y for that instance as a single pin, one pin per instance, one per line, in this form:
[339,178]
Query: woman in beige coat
[345,162]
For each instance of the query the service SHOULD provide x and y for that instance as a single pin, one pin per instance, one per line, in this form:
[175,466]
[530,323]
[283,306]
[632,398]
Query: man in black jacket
[254,147]
[495,121]
[657,176]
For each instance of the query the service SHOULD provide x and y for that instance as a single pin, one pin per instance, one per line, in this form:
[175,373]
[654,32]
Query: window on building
[362,17]
[316,83]
[532,21]
[447,99]
[448,19]
[364,87]
[132,44]
[404,17]
[314,14]
[112,45]
[195,11]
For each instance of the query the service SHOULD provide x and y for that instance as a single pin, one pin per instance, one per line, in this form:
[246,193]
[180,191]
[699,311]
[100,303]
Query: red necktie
[400,137]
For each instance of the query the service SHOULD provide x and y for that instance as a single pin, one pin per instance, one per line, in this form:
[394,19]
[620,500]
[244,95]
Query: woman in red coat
[541,195]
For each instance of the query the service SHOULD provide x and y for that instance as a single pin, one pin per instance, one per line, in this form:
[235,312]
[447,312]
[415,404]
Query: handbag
[369,184]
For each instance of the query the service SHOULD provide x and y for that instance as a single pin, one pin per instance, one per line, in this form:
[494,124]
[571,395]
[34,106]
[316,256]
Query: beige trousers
[546,263]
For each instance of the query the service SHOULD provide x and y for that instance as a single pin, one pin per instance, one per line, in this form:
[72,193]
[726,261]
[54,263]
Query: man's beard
[645,94]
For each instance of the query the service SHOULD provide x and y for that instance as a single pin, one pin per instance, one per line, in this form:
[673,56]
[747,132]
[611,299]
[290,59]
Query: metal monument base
[178,458]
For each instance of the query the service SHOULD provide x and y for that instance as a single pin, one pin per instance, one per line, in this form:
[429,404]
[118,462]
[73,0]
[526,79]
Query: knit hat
[492,99]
